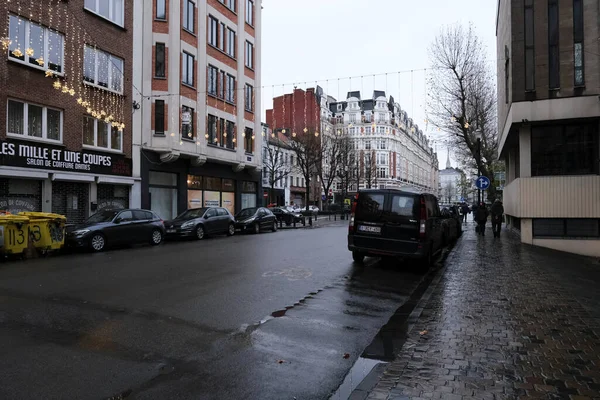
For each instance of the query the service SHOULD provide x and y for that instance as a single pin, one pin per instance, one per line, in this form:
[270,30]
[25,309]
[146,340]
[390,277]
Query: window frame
[185,68]
[110,7]
[25,135]
[186,17]
[248,141]
[213,31]
[96,50]
[231,41]
[249,18]
[249,55]
[164,61]
[191,130]
[26,24]
[228,4]
[578,40]
[230,89]
[249,98]
[565,230]
[156,117]
[209,84]
[109,141]
[164,9]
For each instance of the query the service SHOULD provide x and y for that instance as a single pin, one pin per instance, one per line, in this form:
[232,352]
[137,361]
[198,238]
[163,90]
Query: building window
[529,47]
[222,32]
[578,41]
[159,117]
[189,11]
[382,173]
[229,4]
[249,140]
[187,123]
[187,69]
[250,12]
[161,10]
[230,91]
[97,133]
[367,145]
[112,10]
[249,98]
[102,69]
[213,80]
[553,53]
[47,45]
[221,132]
[231,42]
[159,62]
[565,149]
[249,55]
[30,120]
[566,228]
[213,31]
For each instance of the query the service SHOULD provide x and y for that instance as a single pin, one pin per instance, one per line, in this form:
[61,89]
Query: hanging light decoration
[453,119]
[40,61]
[206,135]
[57,85]
[283,131]
[172,134]
[467,125]
[293,134]
[6,42]
[49,73]
[29,51]
[316,134]
[17,53]
[305,130]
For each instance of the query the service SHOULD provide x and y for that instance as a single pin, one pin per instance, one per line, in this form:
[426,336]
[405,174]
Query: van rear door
[402,217]
[369,213]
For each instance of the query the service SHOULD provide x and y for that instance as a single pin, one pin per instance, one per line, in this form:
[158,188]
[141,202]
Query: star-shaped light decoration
[106,120]
[110,117]
[79,101]
[283,131]
[316,134]
[6,42]
[49,73]
[467,125]
[65,89]
[253,137]
[206,135]
[57,85]
[216,140]
[293,134]
[234,140]
[243,134]
[172,133]
[72,92]
[17,53]
[224,134]
[305,130]
[102,113]
[122,126]
[29,51]
[40,61]
[88,110]
[94,114]
[272,134]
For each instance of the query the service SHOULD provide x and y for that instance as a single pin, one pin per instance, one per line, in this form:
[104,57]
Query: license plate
[171,230]
[369,229]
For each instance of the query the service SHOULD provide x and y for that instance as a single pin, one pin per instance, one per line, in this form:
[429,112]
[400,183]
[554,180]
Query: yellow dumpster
[46,230]
[14,234]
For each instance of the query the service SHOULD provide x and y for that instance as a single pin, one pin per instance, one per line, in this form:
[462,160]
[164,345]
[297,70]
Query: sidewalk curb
[364,388]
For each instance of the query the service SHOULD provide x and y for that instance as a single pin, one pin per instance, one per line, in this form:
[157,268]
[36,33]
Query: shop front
[169,188]
[42,177]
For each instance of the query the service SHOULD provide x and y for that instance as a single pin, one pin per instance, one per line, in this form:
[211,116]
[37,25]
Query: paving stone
[506,321]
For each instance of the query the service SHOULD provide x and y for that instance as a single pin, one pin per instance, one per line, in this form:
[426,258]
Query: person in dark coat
[465,211]
[481,216]
[497,211]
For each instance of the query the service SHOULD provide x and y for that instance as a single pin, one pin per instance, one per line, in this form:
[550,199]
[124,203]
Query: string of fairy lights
[101,103]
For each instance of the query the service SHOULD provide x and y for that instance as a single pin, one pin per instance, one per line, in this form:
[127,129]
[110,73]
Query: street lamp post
[478,137]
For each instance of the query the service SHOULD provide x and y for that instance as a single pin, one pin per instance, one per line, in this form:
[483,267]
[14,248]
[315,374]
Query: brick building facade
[55,156]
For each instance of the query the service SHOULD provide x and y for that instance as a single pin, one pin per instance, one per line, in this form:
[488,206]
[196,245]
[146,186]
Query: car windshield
[246,212]
[192,213]
[102,216]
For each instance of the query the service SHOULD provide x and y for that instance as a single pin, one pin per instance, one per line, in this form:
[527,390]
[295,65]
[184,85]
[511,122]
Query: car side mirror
[118,220]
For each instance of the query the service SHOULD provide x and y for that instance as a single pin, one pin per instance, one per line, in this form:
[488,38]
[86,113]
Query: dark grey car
[115,228]
[198,222]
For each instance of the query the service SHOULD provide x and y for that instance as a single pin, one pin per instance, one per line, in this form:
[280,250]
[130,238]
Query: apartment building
[198,121]
[65,106]
[548,119]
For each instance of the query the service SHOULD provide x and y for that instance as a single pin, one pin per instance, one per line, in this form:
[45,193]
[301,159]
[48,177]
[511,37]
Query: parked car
[255,220]
[117,227]
[285,216]
[396,223]
[199,222]
[452,223]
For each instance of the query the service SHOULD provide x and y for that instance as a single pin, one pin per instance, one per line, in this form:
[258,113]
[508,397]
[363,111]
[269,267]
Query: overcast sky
[328,41]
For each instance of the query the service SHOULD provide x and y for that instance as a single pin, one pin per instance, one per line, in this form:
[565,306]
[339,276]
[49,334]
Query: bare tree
[464,186]
[307,148]
[448,191]
[346,161]
[462,99]
[331,162]
[275,165]
[370,169]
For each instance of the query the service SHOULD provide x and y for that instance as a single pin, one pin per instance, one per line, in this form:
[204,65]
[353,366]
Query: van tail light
[423,219]
[352,214]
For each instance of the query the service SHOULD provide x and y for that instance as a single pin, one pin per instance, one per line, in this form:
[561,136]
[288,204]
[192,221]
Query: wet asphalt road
[250,317]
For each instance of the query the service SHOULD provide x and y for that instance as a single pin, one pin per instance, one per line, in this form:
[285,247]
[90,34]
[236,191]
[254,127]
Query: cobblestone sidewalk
[507,321]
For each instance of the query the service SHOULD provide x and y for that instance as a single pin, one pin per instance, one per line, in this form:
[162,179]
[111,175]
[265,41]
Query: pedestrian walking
[465,210]
[481,216]
[497,211]
[474,209]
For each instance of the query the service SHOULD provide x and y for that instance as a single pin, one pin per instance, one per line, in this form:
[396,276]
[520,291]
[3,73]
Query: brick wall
[295,111]
[29,84]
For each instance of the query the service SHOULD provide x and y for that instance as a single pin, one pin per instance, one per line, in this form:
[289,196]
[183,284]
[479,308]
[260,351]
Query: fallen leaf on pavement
[280,361]
[346,355]
[423,332]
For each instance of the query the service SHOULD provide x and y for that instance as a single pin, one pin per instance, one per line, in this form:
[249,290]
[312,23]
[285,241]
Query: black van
[396,223]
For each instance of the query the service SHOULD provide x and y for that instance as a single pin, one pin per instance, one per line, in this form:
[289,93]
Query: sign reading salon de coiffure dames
[18,153]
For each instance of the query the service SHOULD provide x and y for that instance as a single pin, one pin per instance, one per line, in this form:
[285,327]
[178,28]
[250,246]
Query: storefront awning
[73,177]
[116,181]
[22,173]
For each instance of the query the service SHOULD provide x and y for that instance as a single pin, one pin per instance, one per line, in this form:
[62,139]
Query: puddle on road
[359,371]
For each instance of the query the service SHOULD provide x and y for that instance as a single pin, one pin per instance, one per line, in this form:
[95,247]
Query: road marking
[292,274]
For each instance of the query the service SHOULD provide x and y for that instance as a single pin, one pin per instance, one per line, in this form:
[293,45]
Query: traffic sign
[482,183]
[323,197]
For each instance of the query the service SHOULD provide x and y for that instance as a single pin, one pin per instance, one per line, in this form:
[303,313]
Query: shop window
[112,197]
[163,194]
[18,195]
[71,199]
[194,182]
[212,183]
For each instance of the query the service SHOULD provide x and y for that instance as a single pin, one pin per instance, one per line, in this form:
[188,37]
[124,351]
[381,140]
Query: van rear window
[369,206]
[403,205]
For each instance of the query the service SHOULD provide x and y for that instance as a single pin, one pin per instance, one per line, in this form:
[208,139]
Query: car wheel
[98,242]
[231,230]
[256,228]
[157,237]
[199,232]
[358,257]
[274,228]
